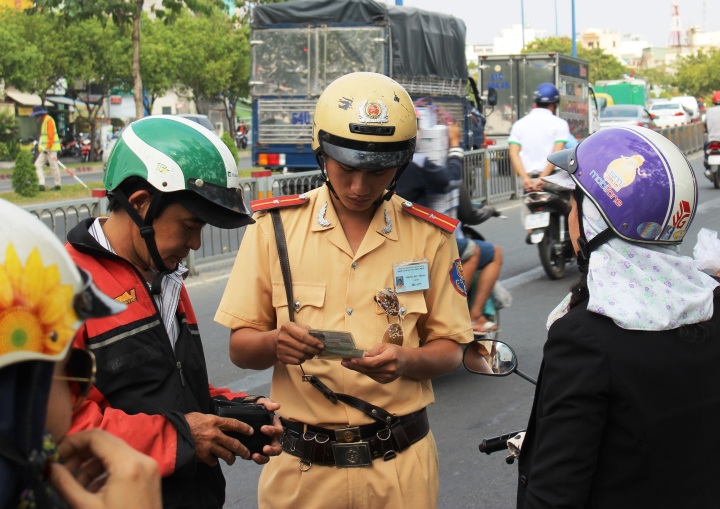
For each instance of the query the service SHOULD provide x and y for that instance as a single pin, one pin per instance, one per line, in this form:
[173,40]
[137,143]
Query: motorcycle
[71,148]
[712,163]
[547,225]
[241,140]
[495,358]
[85,149]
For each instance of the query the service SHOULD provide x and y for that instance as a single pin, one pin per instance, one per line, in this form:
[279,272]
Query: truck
[625,91]
[299,47]
[512,79]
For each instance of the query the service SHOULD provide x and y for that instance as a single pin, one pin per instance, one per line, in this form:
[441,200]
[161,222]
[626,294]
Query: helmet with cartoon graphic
[174,154]
[365,120]
[44,296]
[639,180]
[546,93]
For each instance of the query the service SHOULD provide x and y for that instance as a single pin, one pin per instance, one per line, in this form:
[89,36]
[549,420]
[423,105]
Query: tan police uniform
[334,289]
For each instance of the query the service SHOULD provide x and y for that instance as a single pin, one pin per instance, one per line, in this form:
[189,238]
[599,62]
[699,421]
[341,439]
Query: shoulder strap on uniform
[442,221]
[278,202]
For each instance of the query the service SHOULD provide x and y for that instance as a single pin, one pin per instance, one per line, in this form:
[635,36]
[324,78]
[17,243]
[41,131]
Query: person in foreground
[44,298]
[626,403]
[167,177]
[349,243]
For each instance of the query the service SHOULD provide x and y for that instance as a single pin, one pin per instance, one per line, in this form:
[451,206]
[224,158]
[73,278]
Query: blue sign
[301,117]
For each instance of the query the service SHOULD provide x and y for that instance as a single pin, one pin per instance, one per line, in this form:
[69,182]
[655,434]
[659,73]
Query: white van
[690,104]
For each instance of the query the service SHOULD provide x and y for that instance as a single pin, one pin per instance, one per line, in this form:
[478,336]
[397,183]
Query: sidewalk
[5,166]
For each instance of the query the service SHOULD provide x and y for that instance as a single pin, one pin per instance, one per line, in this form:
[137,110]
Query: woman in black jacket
[627,405]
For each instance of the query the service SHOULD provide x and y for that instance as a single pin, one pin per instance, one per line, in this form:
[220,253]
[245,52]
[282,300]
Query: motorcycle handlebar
[495,444]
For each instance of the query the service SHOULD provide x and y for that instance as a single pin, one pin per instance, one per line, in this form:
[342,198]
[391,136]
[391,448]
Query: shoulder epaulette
[278,202]
[442,221]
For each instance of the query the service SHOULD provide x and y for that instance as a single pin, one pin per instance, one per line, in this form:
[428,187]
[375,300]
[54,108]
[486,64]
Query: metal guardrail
[487,173]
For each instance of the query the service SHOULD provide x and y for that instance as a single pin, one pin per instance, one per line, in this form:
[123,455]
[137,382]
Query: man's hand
[531,184]
[384,363]
[211,443]
[295,345]
[101,471]
[276,431]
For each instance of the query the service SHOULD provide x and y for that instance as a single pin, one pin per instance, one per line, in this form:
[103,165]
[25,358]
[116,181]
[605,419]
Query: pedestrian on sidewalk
[48,147]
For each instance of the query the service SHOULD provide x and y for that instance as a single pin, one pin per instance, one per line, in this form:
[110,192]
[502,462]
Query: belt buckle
[355,454]
[349,450]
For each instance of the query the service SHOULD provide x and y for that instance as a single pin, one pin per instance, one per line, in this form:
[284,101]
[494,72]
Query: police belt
[356,446]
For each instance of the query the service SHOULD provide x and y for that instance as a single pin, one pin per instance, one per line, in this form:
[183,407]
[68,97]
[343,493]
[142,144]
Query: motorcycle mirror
[492,98]
[492,358]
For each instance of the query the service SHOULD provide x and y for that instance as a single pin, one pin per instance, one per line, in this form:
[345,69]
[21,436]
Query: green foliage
[24,178]
[9,150]
[227,140]
[699,74]
[602,65]
[8,127]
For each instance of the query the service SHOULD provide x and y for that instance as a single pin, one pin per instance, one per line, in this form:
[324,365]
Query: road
[468,407]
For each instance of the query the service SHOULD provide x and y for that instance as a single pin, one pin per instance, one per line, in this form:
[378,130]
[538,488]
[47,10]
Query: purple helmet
[642,184]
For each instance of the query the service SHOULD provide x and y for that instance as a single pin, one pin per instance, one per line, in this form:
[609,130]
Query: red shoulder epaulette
[442,221]
[278,202]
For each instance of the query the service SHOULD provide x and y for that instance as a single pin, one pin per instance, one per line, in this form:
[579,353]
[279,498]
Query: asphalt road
[468,407]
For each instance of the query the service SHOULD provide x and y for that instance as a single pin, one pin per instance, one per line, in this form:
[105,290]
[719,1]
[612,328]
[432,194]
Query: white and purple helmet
[642,184]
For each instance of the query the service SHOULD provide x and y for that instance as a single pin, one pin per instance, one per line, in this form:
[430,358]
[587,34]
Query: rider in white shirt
[537,135]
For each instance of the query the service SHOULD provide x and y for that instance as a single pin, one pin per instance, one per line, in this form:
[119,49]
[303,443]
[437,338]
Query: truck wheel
[551,253]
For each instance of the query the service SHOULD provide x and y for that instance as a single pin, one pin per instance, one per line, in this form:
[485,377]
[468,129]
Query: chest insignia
[278,202]
[321,216]
[442,221]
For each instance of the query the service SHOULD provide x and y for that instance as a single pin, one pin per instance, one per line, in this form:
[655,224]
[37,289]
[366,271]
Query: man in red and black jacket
[152,385]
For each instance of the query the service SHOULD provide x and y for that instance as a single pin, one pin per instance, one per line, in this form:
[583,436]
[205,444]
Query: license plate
[713,160]
[537,220]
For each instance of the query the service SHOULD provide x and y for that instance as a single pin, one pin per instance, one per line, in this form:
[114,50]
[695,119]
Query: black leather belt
[352,447]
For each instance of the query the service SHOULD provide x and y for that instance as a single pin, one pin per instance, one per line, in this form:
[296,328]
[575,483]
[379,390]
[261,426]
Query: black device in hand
[251,414]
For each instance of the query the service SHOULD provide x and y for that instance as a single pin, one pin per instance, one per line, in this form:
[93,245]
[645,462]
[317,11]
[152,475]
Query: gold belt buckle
[349,450]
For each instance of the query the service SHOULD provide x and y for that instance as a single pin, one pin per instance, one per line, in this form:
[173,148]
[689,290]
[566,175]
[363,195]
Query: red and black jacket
[143,387]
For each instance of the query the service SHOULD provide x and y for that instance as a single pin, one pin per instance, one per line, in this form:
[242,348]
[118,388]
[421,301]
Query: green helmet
[175,154]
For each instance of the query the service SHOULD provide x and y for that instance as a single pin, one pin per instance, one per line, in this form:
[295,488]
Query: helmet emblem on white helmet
[373,112]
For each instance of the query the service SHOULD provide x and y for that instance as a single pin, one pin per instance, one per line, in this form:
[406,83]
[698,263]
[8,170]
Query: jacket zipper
[182,378]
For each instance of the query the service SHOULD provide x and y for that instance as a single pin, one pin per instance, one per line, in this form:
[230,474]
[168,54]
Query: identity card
[338,344]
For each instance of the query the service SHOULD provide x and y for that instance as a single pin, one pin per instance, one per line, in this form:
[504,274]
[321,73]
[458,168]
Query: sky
[650,19]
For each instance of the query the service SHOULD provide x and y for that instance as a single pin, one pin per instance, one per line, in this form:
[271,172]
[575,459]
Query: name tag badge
[411,276]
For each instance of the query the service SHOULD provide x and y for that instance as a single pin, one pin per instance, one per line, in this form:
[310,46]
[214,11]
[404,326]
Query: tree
[159,59]
[601,65]
[100,61]
[126,13]
[699,74]
[34,54]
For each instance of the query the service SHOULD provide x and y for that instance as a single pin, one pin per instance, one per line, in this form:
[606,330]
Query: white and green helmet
[175,154]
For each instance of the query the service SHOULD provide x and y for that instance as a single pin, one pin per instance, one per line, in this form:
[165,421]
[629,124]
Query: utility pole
[522,20]
[574,38]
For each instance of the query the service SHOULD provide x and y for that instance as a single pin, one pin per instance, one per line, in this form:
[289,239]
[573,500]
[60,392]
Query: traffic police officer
[348,243]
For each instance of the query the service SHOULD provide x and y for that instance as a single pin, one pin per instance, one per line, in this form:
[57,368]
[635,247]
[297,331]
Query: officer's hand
[101,471]
[295,345]
[211,443]
[383,363]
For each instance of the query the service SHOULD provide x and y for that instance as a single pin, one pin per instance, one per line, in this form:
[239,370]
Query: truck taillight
[271,159]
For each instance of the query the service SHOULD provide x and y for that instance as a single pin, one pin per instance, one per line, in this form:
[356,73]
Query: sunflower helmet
[44,296]
[641,183]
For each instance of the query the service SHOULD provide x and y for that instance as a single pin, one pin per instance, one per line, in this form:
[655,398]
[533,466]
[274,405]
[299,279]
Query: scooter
[547,225]
[712,163]
[241,140]
[495,358]
[70,148]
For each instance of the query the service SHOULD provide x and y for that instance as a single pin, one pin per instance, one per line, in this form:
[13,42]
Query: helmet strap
[393,184]
[147,232]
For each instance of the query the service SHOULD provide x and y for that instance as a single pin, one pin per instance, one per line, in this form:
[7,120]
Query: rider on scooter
[537,135]
[426,180]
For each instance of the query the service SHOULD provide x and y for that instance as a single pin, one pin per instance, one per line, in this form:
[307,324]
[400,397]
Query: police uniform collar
[324,215]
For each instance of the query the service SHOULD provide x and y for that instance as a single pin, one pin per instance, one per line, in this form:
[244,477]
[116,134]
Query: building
[509,42]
